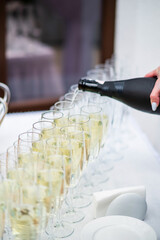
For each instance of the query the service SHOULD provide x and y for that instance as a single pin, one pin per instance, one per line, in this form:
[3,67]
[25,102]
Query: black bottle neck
[108,88]
[89,85]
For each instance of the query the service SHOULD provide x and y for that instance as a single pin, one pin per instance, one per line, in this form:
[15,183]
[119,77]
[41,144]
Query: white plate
[117,228]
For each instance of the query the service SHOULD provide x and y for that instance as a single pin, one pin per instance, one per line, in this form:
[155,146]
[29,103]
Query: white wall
[137,45]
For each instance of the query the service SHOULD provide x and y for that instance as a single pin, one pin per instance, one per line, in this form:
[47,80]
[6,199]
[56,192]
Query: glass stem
[70,200]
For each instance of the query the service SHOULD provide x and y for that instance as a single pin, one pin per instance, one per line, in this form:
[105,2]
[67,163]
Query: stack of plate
[117,228]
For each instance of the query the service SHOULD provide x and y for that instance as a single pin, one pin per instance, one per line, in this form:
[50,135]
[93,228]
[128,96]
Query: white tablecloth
[139,166]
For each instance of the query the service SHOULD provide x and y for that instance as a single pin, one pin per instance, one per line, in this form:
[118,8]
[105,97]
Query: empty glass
[66,107]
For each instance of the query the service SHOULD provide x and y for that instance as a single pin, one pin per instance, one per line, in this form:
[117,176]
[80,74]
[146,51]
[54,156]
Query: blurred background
[49,45]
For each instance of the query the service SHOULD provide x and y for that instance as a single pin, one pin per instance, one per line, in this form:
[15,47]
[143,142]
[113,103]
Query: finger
[155,95]
[152,73]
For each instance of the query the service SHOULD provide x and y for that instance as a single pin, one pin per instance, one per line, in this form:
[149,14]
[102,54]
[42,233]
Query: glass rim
[44,121]
[73,87]
[91,105]
[69,104]
[28,133]
[52,111]
[72,93]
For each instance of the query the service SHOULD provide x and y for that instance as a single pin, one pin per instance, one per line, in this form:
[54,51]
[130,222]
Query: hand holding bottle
[155,94]
[134,92]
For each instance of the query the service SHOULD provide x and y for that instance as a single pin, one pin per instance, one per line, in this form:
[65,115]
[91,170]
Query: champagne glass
[75,97]
[2,209]
[45,128]
[106,106]
[33,140]
[57,162]
[2,195]
[16,178]
[27,202]
[54,160]
[107,115]
[96,133]
[66,107]
[54,116]
[76,136]
[96,128]
[79,199]
[27,211]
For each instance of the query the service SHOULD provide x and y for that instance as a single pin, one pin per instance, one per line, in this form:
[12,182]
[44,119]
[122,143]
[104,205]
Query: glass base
[88,190]
[73,216]
[81,201]
[62,230]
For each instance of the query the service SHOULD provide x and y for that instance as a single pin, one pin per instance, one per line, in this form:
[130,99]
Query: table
[140,166]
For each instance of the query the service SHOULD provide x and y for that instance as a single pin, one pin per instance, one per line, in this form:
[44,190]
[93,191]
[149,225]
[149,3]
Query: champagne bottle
[133,92]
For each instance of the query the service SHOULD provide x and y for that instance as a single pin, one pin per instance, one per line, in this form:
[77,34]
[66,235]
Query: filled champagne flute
[80,199]
[2,208]
[76,137]
[2,195]
[32,139]
[107,114]
[54,116]
[96,128]
[57,164]
[16,178]
[23,153]
[27,211]
[51,173]
[83,121]
[45,128]
[107,118]
[29,200]
[60,145]
[31,151]
[28,158]
[96,133]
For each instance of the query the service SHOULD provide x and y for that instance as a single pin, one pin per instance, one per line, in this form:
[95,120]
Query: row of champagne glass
[32,165]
